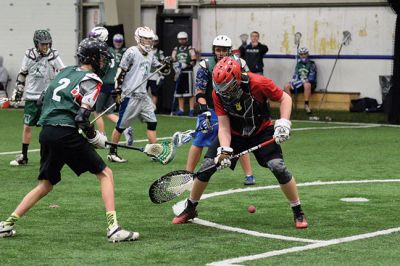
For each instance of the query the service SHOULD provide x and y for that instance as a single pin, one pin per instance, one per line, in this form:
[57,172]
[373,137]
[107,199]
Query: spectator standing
[253,53]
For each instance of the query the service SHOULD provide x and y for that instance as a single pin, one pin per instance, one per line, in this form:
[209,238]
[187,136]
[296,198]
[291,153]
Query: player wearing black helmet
[67,105]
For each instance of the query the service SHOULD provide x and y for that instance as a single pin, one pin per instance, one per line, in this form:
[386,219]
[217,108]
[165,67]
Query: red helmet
[226,79]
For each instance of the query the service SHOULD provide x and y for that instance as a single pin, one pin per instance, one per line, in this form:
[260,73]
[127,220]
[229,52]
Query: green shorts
[31,113]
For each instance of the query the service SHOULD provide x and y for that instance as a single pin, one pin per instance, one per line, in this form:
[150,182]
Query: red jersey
[261,89]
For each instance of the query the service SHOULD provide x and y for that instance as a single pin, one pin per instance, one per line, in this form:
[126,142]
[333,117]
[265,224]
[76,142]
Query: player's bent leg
[194,156]
[113,154]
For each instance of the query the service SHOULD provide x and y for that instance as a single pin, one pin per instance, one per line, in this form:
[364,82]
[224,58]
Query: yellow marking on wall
[323,46]
[285,43]
[363,31]
[315,34]
[333,44]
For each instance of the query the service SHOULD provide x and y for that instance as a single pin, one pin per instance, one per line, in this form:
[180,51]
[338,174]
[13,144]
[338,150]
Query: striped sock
[111,219]
[12,219]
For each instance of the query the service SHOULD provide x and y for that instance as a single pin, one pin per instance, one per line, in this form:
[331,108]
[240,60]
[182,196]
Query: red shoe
[300,222]
[188,213]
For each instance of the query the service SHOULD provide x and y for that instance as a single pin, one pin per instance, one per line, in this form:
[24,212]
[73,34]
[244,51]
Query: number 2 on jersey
[64,82]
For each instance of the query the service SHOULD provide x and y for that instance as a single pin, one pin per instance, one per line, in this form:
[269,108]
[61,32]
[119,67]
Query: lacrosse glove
[223,159]
[98,141]
[282,130]
[18,93]
[203,122]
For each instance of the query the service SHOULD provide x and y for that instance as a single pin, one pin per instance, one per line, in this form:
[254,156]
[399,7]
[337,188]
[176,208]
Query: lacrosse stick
[163,152]
[140,84]
[297,37]
[346,41]
[179,138]
[173,184]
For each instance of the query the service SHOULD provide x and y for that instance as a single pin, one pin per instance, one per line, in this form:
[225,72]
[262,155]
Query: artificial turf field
[362,159]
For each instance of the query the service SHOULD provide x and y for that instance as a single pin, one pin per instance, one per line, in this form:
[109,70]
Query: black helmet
[92,52]
[41,36]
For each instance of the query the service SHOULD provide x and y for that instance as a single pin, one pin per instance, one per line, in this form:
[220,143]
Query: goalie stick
[173,184]
[163,152]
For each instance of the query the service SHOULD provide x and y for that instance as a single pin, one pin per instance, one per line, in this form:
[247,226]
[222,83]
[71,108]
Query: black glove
[166,69]
[82,122]
[116,94]
[18,93]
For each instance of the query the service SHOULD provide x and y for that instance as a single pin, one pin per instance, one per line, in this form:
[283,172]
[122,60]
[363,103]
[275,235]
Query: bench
[338,101]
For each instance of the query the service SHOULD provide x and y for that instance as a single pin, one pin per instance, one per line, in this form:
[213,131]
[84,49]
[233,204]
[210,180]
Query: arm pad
[82,122]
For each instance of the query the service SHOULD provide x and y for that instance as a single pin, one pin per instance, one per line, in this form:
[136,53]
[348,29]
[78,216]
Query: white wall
[372,30]
[20,18]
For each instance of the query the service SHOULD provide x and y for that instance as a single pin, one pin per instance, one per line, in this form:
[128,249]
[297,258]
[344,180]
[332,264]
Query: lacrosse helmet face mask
[42,37]
[303,53]
[227,76]
[144,38]
[95,53]
[99,33]
[222,46]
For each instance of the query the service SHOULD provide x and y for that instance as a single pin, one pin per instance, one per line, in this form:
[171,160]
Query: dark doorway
[168,27]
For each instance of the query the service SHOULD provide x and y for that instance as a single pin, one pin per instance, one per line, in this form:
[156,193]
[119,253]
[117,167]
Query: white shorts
[138,106]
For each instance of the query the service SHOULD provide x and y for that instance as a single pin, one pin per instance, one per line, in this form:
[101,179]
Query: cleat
[188,213]
[178,113]
[249,180]
[114,157]
[128,133]
[119,235]
[191,113]
[301,221]
[6,230]
[307,109]
[19,160]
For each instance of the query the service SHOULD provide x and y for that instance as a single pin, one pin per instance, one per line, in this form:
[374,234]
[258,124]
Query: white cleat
[118,235]
[19,160]
[6,230]
[116,158]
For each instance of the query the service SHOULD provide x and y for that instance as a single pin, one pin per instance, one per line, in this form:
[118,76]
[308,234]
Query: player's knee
[205,175]
[120,130]
[278,168]
[151,126]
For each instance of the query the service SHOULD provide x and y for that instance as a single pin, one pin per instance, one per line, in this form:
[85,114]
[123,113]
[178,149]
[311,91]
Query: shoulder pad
[53,54]
[32,54]
[203,63]
[93,76]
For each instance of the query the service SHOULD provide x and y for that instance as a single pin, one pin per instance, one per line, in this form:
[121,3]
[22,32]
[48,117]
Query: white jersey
[40,70]
[138,68]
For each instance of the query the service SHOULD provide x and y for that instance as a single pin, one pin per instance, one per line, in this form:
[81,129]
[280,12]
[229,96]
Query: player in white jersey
[134,67]
[39,67]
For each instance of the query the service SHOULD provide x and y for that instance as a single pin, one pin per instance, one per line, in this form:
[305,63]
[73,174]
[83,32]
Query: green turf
[74,233]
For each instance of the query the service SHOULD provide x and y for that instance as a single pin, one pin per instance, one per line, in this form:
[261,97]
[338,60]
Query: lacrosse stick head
[179,138]
[346,37]
[164,152]
[244,37]
[170,186]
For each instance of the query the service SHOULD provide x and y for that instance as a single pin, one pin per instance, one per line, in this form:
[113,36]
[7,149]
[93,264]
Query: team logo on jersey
[238,106]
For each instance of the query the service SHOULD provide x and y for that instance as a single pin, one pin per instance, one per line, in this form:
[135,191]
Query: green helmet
[41,36]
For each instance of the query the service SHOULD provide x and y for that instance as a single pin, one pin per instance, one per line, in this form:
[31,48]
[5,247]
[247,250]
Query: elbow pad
[82,122]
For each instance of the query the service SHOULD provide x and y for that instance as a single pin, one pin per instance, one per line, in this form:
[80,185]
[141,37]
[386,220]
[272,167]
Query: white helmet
[182,35]
[155,37]
[303,50]
[118,38]
[223,41]
[144,32]
[99,33]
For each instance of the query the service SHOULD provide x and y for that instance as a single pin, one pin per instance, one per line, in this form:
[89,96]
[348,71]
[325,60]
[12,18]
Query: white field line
[317,244]
[235,261]
[122,142]
[253,233]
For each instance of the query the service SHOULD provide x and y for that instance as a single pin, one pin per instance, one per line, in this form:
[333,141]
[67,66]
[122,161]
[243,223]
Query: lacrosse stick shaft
[124,146]
[137,86]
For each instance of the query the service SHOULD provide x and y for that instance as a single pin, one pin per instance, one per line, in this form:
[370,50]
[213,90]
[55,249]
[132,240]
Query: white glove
[282,130]
[99,140]
[223,157]
[18,93]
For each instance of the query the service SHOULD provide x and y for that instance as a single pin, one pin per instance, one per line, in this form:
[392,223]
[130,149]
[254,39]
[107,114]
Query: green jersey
[113,67]
[64,95]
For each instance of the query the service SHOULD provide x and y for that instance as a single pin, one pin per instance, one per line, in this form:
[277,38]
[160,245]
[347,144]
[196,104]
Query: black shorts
[64,145]
[239,144]
[184,85]
[152,84]
[104,99]
[301,89]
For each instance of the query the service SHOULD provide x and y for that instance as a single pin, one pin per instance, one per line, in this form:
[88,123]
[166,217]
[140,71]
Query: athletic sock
[113,149]
[194,202]
[12,219]
[111,219]
[306,102]
[296,208]
[25,150]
